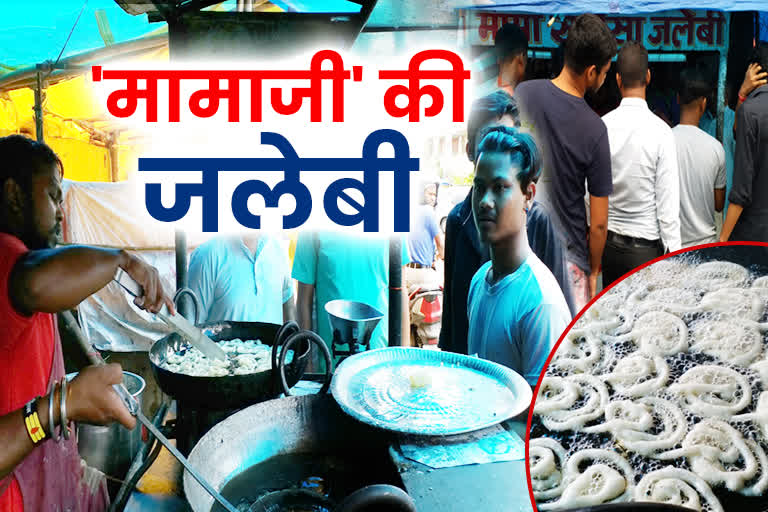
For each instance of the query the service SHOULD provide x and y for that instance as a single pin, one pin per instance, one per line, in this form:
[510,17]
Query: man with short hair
[700,162]
[747,217]
[37,280]
[644,208]
[512,56]
[465,253]
[425,240]
[516,309]
[574,142]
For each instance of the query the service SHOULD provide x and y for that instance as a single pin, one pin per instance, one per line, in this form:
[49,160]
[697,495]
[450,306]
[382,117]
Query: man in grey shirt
[701,162]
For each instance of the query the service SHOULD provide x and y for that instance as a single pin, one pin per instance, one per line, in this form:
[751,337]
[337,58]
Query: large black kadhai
[230,391]
[202,402]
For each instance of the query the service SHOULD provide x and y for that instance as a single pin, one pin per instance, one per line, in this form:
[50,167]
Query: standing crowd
[600,195]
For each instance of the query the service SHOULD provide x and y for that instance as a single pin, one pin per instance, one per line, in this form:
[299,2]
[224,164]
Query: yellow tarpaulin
[77,126]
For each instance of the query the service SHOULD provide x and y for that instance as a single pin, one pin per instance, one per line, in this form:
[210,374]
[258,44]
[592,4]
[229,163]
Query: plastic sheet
[113,215]
[494,444]
[111,321]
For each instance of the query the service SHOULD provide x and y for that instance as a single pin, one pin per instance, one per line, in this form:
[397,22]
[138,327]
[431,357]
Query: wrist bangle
[32,422]
[742,98]
[63,409]
[51,422]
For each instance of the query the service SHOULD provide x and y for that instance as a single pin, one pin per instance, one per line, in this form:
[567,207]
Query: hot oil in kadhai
[340,476]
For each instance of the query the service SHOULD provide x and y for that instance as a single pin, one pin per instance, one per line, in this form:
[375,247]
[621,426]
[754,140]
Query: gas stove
[193,422]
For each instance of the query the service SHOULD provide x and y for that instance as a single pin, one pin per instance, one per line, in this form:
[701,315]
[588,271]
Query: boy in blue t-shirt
[516,309]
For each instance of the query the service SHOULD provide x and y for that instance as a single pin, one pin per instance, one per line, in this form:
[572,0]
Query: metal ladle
[133,407]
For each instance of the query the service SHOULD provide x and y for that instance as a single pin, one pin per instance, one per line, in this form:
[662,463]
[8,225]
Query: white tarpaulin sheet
[113,215]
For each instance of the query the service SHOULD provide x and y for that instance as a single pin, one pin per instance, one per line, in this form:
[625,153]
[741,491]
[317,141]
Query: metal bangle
[51,422]
[63,409]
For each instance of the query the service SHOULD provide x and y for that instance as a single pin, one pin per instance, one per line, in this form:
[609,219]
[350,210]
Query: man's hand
[91,399]
[149,278]
[592,285]
[753,78]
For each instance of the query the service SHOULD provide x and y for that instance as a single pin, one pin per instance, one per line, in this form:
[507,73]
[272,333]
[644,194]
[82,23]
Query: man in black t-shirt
[747,217]
[574,141]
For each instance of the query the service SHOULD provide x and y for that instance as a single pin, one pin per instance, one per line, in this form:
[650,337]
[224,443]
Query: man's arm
[600,187]
[731,218]
[743,173]
[546,244]
[289,310]
[598,232]
[90,399]
[668,195]
[52,280]
[202,280]
[405,340]
[440,244]
[305,273]
[721,179]
[304,299]
[540,329]
[719,199]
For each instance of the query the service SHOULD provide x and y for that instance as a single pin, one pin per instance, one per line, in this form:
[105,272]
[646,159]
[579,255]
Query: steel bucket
[111,449]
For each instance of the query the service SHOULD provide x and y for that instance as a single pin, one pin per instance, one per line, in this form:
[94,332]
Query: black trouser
[624,253]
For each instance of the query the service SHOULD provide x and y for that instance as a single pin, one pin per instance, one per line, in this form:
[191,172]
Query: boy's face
[430,195]
[498,204]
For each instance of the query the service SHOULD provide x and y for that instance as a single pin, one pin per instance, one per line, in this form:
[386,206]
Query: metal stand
[354,346]
[352,324]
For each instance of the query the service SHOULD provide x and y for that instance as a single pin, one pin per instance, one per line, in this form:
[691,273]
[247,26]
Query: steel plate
[383,388]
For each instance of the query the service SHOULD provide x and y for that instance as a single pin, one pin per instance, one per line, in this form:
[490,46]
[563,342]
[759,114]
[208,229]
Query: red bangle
[742,99]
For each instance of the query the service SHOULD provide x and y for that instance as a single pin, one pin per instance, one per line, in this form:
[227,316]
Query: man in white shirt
[701,162]
[644,208]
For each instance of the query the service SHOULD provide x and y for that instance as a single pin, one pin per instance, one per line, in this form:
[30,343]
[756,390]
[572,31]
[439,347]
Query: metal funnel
[352,321]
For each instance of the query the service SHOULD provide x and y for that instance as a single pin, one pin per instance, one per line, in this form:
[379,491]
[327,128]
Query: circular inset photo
[658,392]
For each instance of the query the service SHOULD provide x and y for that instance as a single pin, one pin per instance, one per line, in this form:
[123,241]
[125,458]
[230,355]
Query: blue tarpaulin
[609,6]
[35,31]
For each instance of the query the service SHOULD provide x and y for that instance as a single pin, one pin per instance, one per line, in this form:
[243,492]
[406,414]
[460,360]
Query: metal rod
[185,304]
[143,460]
[25,77]
[132,406]
[39,107]
[722,73]
[395,292]
[184,462]
[85,345]
[114,171]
